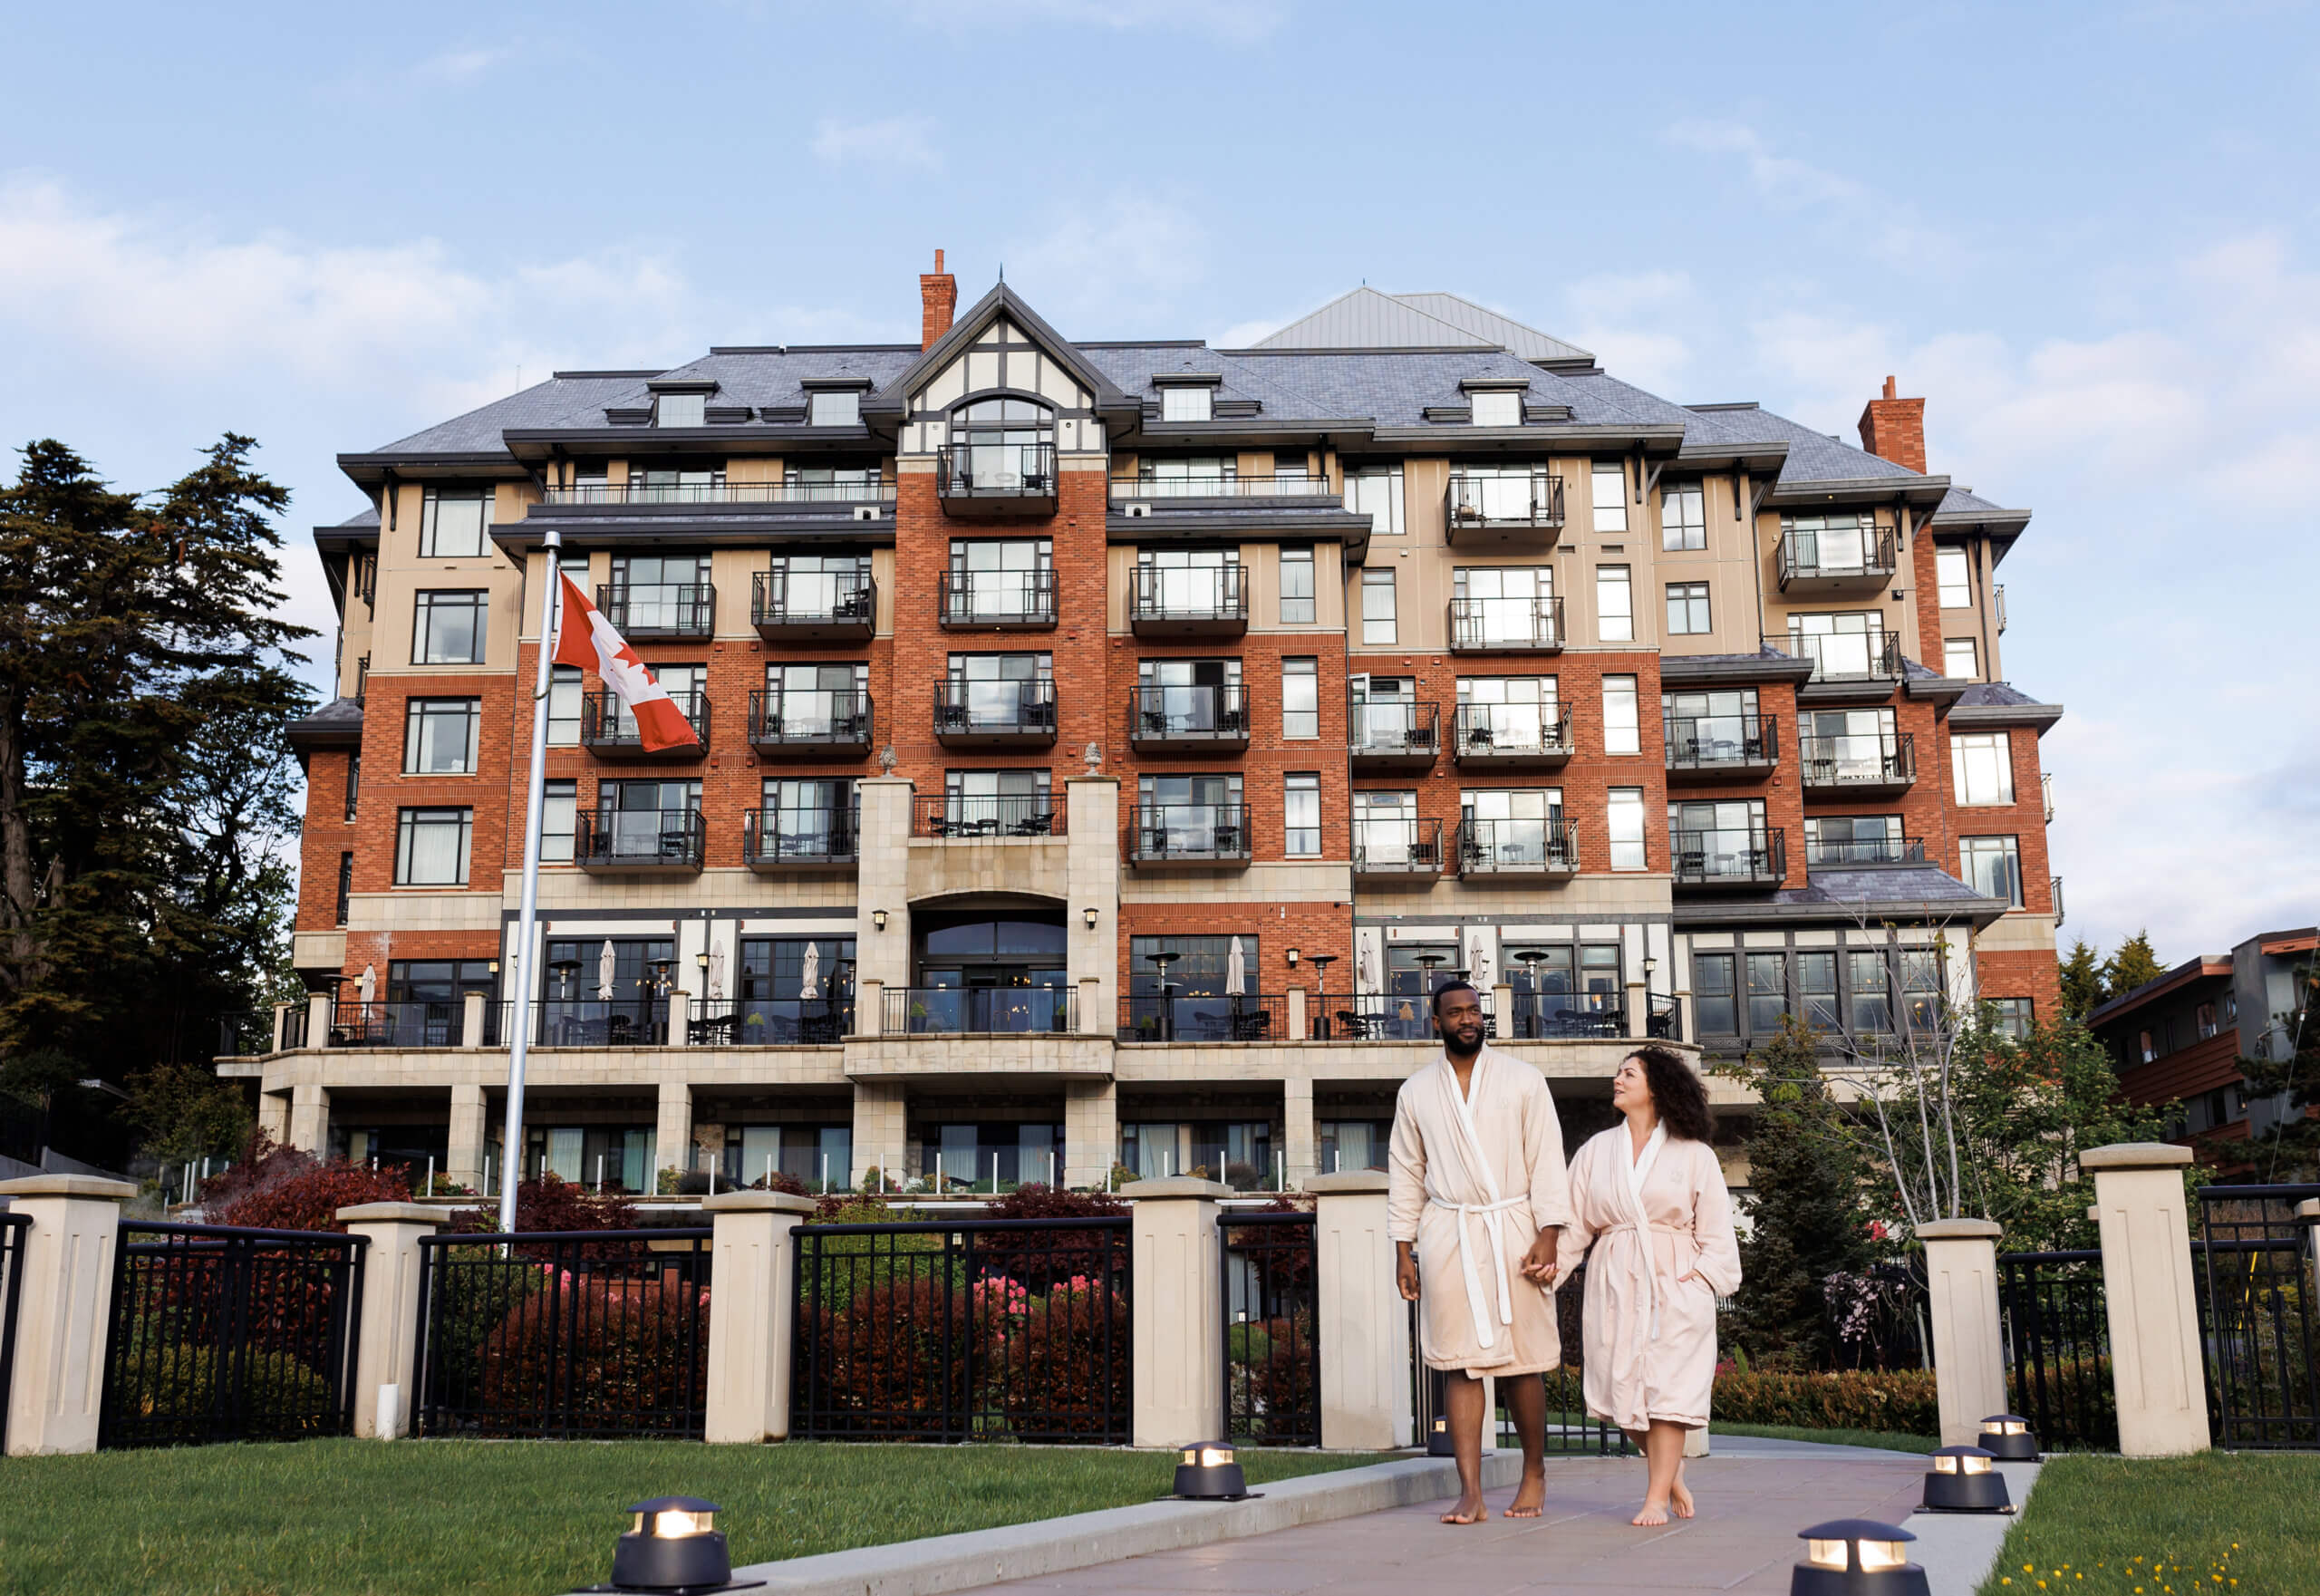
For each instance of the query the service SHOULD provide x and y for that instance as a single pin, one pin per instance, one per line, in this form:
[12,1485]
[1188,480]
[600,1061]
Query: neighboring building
[1036,678]
[2181,1037]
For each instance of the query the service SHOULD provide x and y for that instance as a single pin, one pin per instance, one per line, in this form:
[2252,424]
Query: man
[1476,1199]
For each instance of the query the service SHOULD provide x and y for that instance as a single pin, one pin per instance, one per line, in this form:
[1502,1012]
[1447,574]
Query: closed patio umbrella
[367,988]
[1236,970]
[604,972]
[1368,970]
[716,972]
[809,971]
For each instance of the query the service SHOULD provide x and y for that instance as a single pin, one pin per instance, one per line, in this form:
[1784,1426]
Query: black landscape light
[1437,1438]
[1856,1557]
[2007,1436]
[675,1549]
[1962,1481]
[1206,1472]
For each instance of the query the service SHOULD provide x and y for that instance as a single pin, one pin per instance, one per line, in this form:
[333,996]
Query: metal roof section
[1367,319]
[1843,894]
[1524,342]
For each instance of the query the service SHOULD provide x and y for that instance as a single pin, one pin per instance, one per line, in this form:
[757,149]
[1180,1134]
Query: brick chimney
[938,293]
[1894,428]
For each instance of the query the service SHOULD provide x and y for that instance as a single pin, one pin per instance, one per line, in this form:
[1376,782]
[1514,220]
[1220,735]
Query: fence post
[752,1273]
[1299,1022]
[472,1019]
[281,1019]
[1502,1004]
[869,1006]
[1177,1307]
[2147,1290]
[1968,1348]
[1361,1324]
[386,1343]
[65,1314]
[319,1008]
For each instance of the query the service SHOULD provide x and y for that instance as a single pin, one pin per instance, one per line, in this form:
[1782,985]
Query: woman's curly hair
[1677,1093]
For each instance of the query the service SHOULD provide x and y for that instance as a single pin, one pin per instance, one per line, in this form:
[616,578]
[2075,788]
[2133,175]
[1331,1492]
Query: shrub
[1039,1258]
[1062,1384]
[307,1195]
[1274,1377]
[603,1356]
[1897,1401]
[552,1203]
[878,1357]
[281,1395]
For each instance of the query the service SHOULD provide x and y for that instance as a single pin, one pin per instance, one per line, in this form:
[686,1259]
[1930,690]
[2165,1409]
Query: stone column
[882,881]
[1299,1143]
[752,1263]
[386,1356]
[672,1131]
[1092,870]
[64,1309]
[281,1018]
[464,1160]
[273,1116]
[1968,1350]
[1639,1008]
[1359,1316]
[878,1126]
[1300,1022]
[310,1119]
[472,1019]
[1091,1132]
[1178,1311]
[1502,1010]
[2147,1288]
[319,1007]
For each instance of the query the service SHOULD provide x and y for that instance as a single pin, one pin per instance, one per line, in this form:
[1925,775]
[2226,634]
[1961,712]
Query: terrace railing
[1179,1016]
[979,1010]
[960,816]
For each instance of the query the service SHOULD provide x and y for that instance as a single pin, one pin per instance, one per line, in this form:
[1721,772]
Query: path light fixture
[2007,1436]
[1857,1557]
[674,1549]
[1206,1472]
[1962,1481]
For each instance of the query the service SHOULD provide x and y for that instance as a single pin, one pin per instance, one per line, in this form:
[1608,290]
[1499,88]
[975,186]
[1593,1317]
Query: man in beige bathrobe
[1476,1199]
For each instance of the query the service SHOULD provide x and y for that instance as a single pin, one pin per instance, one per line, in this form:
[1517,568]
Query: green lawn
[1884,1440]
[318,1517]
[2215,1522]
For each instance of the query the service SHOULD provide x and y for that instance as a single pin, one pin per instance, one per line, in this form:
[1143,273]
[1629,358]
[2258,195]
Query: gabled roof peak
[1368,318]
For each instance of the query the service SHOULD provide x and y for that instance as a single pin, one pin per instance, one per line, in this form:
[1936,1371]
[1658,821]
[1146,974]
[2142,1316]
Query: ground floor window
[821,1157]
[615,1158]
[2010,1016]
[1238,1152]
[983,1155]
[1350,1144]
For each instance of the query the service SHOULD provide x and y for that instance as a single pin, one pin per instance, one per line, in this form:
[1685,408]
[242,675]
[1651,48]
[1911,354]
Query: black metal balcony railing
[1712,742]
[1810,557]
[1482,625]
[639,839]
[785,600]
[770,1022]
[1858,760]
[2054,886]
[995,471]
[607,728]
[1394,730]
[1178,1017]
[1544,1016]
[361,679]
[1382,1017]
[411,1022]
[809,718]
[1222,487]
[640,1022]
[979,1010]
[1207,715]
[1396,846]
[1734,858]
[1866,850]
[1526,847]
[996,598]
[1188,593]
[968,816]
[1510,731]
[1850,656]
[970,710]
[1161,833]
[878,490]
[660,609]
[1532,501]
[776,838]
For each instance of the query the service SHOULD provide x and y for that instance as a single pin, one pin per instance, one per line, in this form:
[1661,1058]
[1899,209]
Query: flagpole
[528,921]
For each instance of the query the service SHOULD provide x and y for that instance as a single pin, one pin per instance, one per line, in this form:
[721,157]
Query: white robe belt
[1489,1214]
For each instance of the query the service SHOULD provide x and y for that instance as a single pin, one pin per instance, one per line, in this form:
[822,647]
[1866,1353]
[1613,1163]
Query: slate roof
[1995,693]
[566,399]
[337,724]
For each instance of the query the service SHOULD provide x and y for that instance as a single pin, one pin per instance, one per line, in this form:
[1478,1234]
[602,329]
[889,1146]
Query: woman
[1653,1221]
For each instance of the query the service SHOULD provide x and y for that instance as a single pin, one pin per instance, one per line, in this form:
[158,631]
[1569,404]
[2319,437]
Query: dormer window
[1497,407]
[834,408]
[1187,404]
[681,409]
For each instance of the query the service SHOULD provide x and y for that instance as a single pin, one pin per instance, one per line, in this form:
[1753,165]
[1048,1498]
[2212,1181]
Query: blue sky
[2087,235]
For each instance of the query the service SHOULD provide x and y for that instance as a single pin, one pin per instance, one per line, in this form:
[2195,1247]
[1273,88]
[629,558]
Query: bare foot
[1469,1510]
[1653,1514]
[1679,1500]
[1530,1496]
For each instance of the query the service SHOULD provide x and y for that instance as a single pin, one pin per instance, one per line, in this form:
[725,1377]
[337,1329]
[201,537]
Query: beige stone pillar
[273,1116]
[282,1012]
[878,1122]
[1092,874]
[1091,1132]
[672,1130]
[1502,1010]
[1639,1008]
[1359,1316]
[869,1008]
[310,1119]
[464,1160]
[1178,1311]
[2147,1288]
[1969,1349]
[319,1008]
[1300,1144]
[64,1309]
[753,1262]
[882,882]
[472,1019]
[1301,1020]
[385,1354]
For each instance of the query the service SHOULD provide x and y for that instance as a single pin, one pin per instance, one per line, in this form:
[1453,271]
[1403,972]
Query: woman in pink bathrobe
[1653,1220]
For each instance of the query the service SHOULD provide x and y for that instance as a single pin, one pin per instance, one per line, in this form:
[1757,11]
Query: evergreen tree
[2082,978]
[2133,964]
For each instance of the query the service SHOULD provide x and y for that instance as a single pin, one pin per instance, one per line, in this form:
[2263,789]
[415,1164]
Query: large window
[1378,606]
[1688,608]
[1746,994]
[1376,492]
[1001,692]
[451,522]
[432,846]
[1682,516]
[1816,990]
[1183,402]
[1297,608]
[1623,822]
[793,989]
[1992,866]
[2010,1016]
[1001,442]
[1614,604]
[1301,697]
[1840,642]
[438,736]
[645,820]
[1610,483]
[1622,732]
[1854,839]
[354,783]
[1495,604]
[1301,814]
[1510,711]
[1496,407]
[1870,991]
[1984,763]
[1716,839]
[1001,578]
[1767,992]
[564,695]
[559,820]
[1954,572]
[449,628]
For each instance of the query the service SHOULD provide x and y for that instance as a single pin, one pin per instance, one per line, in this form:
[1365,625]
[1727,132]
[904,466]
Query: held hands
[1538,1266]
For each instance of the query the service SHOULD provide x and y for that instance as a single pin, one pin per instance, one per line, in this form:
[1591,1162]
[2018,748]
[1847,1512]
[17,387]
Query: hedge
[1893,1401]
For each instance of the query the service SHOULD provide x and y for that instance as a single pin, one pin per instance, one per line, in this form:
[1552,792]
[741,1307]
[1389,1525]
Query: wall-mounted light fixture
[1292,958]
[878,918]
[1090,915]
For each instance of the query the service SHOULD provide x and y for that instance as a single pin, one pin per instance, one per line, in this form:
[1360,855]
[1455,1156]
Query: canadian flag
[585,639]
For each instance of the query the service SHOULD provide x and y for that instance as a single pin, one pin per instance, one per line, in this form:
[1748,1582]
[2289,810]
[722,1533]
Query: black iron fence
[982,1331]
[2057,1336]
[641,840]
[1508,625]
[977,469]
[996,598]
[600,1022]
[573,1335]
[294,1027]
[1510,731]
[2260,1328]
[1272,1345]
[411,1022]
[606,727]
[1194,833]
[12,1228]
[810,717]
[995,709]
[1502,498]
[777,839]
[1183,1017]
[1866,850]
[779,597]
[1187,593]
[244,1033]
[1204,713]
[1858,758]
[222,1333]
[1711,742]
[977,1010]
[759,1022]
[970,815]
[660,609]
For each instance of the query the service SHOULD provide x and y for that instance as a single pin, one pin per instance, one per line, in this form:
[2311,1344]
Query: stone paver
[1744,1538]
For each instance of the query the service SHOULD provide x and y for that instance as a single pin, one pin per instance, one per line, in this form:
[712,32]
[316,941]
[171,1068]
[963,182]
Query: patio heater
[1160,962]
[1529,959]
[1319,1023]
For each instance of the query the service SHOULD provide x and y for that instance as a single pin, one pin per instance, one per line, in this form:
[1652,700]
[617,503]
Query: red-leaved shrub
[282,1188]
[601,1356]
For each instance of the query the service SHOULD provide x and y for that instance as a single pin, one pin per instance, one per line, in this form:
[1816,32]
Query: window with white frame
[1953,570]
[1376,491]
[1622,733]
[1297,608]
[1983,762]
[1186,402]
[451,522]
[1301,698]
[1614,604]
[1958,658]
[1992,866]
[438,736]
[432,846]
[1609,480]
[681,409]
[1687,608]
[1301,813]
[1496,407]
[1682,516]
[1623,825]
[1378,606]
[840,407]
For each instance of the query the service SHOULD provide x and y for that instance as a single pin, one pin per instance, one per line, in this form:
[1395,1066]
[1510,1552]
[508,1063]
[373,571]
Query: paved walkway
[1752,1504]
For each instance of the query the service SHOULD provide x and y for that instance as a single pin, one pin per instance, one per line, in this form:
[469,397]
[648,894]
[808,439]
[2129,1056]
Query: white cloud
[905,143]
[1624,319]
[459,65]
[1111,262]
[1888,228]
[1248,334]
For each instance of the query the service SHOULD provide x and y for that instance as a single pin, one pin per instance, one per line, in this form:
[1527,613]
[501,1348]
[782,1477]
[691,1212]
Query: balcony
[1503,512]
[1506,625]
[996,601]
[1518,850]
[599,1022]
[996,479]
[813,607]
[965,816]
[1394,735]
[994,714]
[811,723]
[1391,850]
[1858,764]
[1188,601]
[2055,886]
[1236,1017]
[1203,720]
[979,1010]
[1848,666]
[641,842]
[650,610]
[609,732]
[1815,563]
[1720,748]
[1508,737]
[440,1022]
[1736,859]
[770,1022]
[1564,1015]
[1136,489]
[1188,834]
[1857,853]
[881,491]
[775,842]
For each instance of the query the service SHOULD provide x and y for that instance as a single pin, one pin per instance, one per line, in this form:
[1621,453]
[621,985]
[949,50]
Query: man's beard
[1452,1046]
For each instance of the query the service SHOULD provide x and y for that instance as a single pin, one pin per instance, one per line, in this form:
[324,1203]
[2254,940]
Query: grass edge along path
[319,1518]
[2214,1522]
[1882,1440]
